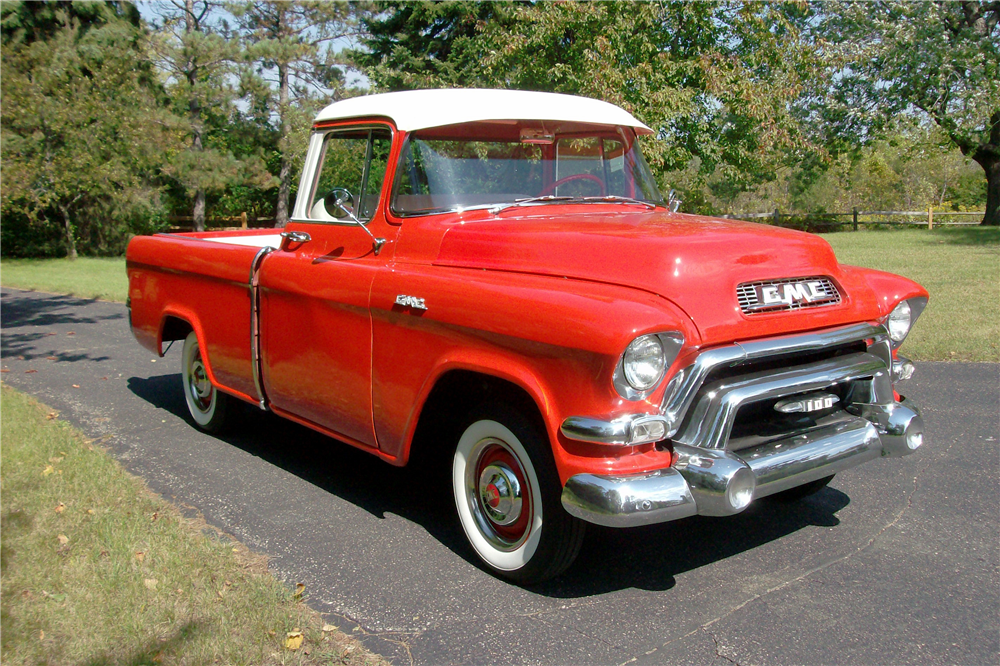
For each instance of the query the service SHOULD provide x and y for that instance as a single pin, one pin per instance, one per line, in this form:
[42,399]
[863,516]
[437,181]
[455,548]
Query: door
[317,333]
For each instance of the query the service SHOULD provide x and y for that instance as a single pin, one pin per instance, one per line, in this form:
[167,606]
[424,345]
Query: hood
[695,262]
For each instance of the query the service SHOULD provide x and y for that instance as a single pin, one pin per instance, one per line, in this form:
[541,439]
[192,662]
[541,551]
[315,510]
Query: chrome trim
[804,292]
[628,501]
[623,431]
[681,389]
[597,431]
[902,369]
[711,419]
[710,473]
[253,284]
[899,424]
[698,483]
[293,237]
[793,461]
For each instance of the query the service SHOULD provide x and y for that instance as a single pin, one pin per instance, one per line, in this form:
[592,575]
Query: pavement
[896,562]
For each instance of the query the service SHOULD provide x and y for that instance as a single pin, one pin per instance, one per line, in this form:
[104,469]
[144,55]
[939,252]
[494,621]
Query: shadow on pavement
[41,311]
[647,558]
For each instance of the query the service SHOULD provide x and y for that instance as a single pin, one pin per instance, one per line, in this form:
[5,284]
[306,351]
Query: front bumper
[716,475]
[702,480]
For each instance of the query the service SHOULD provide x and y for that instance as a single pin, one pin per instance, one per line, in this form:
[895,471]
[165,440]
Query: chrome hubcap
[495,485]
[199,385]
[500,493]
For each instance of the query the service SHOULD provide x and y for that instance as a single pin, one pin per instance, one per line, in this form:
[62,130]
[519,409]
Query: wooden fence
[856,218]
[221,222]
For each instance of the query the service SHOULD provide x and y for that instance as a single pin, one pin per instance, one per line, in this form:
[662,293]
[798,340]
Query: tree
[82,136]
[940,60]
[197,54]
[293,45]
[717,82]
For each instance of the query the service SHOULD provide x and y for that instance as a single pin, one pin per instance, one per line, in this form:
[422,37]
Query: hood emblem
[790,294]
[814,402]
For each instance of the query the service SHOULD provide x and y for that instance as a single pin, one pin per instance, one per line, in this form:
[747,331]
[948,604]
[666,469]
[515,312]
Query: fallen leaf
[150,583]
[51,334]
[48,470]
[28,372]
[222,593]
[27,594]
[51,358]
[300,589]
[76,386]
[329,627]
[21,358]
[104,379]
[154,516]
[60,507]
[51,415]
[90,511]
[139,555]
[71,333]
[4,369]
[63,539]
[41,635]
[55,459]
[294,639]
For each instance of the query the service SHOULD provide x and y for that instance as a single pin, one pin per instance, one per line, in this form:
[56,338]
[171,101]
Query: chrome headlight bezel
[900,321]
[628,378]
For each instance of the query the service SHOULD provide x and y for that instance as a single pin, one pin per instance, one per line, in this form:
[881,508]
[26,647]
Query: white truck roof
[412,110]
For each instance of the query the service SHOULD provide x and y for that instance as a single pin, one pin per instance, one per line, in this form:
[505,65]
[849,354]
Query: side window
[351,173]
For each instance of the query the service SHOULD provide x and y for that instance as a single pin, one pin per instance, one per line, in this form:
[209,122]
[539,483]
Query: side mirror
[673,203]
[338,200]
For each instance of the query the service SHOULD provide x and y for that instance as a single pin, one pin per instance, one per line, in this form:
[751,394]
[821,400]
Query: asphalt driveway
[897,562]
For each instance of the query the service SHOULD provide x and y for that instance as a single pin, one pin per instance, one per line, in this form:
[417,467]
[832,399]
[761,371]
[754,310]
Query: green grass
[959,267]
[85,277]
[96,569]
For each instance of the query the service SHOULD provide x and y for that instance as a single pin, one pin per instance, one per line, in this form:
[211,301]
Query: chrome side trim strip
[685,384]
[711,419]
[253,284]
[597,431]
[646,499]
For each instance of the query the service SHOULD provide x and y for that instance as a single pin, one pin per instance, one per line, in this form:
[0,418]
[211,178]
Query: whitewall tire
[208,407]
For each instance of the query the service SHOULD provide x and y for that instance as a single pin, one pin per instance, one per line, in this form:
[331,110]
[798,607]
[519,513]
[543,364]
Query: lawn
[959,266]
[96,569]
[87,277]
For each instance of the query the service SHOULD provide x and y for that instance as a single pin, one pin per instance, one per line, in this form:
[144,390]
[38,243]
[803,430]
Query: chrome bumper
[714,476]
[703,480]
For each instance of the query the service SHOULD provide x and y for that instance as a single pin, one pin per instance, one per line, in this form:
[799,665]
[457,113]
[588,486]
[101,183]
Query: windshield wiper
[614,198]
[529,200]
[610,198]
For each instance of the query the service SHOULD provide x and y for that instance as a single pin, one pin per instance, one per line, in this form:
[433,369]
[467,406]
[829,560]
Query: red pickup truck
[491,279]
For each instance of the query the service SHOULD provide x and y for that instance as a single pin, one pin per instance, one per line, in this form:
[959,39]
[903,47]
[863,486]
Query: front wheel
[507,493]
[208,407]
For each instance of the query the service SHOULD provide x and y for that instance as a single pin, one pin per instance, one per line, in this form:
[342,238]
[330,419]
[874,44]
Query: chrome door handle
[294,237]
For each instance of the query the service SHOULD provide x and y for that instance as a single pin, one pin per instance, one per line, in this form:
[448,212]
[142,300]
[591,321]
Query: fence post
[777,218]
[243,219]
[855,219]
[930,218]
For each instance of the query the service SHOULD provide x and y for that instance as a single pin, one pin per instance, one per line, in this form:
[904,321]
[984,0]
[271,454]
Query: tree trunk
[194,113]
[199,210]
[285,173]
[992,167]
[70,240]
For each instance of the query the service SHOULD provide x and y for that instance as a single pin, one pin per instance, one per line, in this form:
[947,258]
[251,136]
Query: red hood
[695,262]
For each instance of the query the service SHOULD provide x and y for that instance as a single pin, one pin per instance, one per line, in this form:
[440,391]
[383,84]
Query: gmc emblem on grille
[793,292]
[815,402]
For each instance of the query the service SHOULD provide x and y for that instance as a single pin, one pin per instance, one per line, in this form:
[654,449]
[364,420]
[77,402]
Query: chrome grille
[794,294]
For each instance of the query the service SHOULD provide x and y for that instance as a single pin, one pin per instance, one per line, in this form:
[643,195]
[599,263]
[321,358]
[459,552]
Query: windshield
[488,164]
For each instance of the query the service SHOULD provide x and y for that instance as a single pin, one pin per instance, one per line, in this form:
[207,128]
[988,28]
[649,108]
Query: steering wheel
[339,202]
[576,176]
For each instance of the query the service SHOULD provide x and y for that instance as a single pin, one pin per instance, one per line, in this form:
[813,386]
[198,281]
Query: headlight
[644,362]
[899,322]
